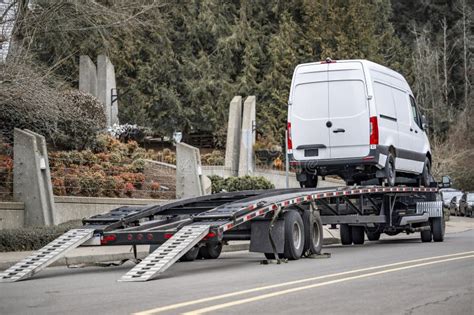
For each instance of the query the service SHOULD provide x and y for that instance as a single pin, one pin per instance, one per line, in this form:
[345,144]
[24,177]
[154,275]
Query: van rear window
[310,100]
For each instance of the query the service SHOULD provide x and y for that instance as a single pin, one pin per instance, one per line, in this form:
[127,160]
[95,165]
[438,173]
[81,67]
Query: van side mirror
[445,182]
[424,122]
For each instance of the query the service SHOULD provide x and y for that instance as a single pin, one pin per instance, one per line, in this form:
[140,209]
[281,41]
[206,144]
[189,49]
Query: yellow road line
[227,295]
[292,290]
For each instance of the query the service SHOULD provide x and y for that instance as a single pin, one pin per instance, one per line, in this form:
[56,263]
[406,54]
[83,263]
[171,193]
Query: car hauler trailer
[281,223]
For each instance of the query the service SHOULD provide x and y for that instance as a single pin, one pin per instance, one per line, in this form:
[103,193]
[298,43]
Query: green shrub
[24,239]
[220,184]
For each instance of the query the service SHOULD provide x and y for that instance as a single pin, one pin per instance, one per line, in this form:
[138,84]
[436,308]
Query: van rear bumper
[371,159]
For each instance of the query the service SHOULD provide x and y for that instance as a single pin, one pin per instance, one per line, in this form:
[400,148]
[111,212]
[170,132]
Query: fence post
[32,178]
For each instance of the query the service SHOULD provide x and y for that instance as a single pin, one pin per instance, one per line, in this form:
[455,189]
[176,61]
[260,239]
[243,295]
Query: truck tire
[294,235]
[313,232]
[425,178]
[191,254]
[358,235]
[425,236]
[390,173]
[437,228]
[373,235]
[346,234]
[210,250]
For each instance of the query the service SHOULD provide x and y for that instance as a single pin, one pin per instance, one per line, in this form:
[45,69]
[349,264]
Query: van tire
[310,182]
[345,231]
[390,172]
[425,178]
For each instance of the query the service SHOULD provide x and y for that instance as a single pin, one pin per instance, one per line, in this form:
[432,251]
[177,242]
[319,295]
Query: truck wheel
[358,235]
[346,234]
[210,250]
[313,232]
[425,235]
[294,235]
[373,235]
[425,179]
[437,228]
[390,172]
[191,254]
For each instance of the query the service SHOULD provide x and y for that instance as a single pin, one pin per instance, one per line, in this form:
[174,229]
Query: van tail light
[288,138]
[374,130]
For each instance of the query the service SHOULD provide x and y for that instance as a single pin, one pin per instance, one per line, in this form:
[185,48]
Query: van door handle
[338,130]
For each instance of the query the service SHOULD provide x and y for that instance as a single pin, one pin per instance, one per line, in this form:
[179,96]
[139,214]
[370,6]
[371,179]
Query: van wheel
[425,179]
[390,172]
[310,182]
[373,235]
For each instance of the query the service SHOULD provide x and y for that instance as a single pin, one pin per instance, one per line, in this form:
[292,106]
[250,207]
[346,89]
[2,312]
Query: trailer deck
[179,226]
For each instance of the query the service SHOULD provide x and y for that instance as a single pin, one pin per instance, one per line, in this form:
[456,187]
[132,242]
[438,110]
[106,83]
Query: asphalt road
[399,275]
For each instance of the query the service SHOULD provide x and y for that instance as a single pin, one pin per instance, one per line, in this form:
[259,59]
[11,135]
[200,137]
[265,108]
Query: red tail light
[209,235]
[288,135]
[108,238]
[374,130]
[168,236]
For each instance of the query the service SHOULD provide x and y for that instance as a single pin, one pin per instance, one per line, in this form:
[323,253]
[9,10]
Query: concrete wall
[73,208]
[11,215]
[70,208]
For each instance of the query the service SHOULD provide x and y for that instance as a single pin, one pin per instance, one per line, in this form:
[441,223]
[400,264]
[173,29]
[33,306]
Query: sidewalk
[101,254]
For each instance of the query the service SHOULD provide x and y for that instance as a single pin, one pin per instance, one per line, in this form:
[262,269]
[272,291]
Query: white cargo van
[358,120]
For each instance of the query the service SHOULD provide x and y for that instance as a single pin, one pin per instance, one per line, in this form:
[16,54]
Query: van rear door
[309,114]
[348,110]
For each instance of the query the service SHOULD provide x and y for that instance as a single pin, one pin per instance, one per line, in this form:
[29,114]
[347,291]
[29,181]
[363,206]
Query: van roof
[366,64]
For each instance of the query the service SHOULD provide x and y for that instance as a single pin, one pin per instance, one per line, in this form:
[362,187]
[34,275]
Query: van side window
[414,110]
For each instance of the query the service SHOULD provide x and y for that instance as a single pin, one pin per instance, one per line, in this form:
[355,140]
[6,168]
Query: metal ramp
[42,258]
[168,253]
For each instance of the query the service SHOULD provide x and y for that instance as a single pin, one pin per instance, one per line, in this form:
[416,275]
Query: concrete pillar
[106,87]
[87,75]
[248,137]
[234,127]
[189,179]
[32,179]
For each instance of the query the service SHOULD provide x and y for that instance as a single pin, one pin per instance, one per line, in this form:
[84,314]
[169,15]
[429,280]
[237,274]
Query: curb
[106,258]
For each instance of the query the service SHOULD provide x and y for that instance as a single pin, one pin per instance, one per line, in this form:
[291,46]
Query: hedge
[33,238]
[220,184]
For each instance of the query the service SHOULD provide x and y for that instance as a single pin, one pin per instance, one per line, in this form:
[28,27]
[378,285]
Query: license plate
[311,152]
